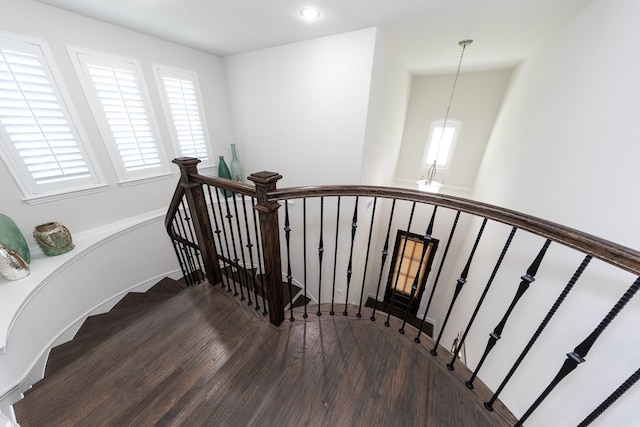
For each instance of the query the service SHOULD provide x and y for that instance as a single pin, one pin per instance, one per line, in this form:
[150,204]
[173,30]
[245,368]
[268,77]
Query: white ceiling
[425,33]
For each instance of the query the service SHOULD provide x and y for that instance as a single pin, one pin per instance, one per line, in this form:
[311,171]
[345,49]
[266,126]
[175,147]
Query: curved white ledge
[15,295]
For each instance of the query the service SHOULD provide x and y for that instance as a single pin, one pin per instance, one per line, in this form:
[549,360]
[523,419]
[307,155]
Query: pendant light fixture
[430,183]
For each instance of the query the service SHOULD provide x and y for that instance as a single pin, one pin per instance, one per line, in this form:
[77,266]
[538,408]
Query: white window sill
[67,194]
[145,180]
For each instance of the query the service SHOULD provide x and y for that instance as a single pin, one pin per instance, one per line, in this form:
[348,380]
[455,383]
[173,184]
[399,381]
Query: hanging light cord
[431,173]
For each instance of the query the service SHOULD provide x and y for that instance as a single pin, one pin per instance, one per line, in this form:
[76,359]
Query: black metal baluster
[179,256]
[366,262]
[482,297]
[385,252]
[304,252]
[426,241]
[624,387]
[235,258]
[190,252]
[354,226]
[242,275]
[404,247]
[437,279]
[217,232]
[320,253]
[198,271]
[459,284]
[527,279]
[538,332]
[226,242]
[287,235]
[260,271]
[580,352]
[183,229]
[335,258]
[251,282]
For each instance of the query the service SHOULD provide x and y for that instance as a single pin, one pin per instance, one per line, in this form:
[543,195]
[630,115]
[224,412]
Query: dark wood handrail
[613,253]
[224,184]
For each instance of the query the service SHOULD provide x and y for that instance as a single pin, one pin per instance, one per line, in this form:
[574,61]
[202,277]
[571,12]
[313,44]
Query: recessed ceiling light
[310,13]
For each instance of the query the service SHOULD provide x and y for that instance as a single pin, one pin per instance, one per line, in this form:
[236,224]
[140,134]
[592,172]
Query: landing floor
[202,360]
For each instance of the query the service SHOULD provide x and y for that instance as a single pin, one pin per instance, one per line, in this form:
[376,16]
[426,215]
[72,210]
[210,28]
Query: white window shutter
[183,105]
[116,94]
[40,143]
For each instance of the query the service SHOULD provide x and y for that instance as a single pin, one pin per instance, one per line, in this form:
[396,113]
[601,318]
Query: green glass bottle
[237,171]
[223,172]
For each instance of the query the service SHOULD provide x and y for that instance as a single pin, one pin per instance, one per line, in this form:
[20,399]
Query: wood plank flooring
[201,359]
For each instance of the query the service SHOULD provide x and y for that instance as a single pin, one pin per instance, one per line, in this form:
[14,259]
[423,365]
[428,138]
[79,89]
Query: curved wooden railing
[316,244]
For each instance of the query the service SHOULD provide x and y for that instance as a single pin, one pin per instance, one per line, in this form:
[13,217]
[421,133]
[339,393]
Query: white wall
[118,262]
[301,109]
[477,101]
[565,147]
[59,28]
[388,100]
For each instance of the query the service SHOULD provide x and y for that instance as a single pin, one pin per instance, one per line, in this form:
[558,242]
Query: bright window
[116,93]
[40,145]
[441,143]
[183,107]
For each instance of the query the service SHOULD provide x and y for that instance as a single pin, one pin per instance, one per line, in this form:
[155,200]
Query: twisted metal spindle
[217,231]
[426,241]
[226,243]
[366,262]
[538,332]
[580,352]
[354,226]
[437,279]
[260,268]
[335,257]
[385,253]
[610,400]
[320,253]
[404,247]
[249,247]
[304,252]
[287,236]
[459,284]
[482,297]
[494,336]
[242,275]
[235,258]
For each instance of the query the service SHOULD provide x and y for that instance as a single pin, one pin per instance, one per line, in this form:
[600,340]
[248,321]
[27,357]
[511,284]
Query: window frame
[160,71]
[126,177]
[32,191]
[457,124]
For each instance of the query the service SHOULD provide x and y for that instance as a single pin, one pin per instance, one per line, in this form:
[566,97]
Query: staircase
[101,327]
[251,280]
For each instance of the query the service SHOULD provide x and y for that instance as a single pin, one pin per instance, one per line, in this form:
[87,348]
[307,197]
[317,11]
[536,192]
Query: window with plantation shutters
[117,96]
[40,145]
[183,107]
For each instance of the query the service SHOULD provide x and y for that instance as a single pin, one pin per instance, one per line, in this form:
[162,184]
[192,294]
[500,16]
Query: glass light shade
[432,187]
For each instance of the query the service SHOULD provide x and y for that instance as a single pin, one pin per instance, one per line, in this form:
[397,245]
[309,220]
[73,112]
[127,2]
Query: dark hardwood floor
[202,359]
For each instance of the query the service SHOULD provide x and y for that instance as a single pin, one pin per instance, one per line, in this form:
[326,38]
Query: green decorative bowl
[53,238]
[12,238]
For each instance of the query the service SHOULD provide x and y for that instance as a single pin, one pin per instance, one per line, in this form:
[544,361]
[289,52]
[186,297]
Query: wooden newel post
[270,235]
[200,217]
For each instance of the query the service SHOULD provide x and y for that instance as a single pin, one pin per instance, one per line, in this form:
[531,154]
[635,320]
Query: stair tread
[99,328]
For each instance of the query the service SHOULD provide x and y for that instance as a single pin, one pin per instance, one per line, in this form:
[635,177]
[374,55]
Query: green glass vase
[224,172]
[12,238]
